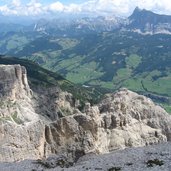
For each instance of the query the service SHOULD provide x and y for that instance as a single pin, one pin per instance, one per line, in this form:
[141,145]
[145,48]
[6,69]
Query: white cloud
[107,6]
[73,8]
[57,6]
[116,7]
[5,10]
[16,3]
[125,7]
[32,8]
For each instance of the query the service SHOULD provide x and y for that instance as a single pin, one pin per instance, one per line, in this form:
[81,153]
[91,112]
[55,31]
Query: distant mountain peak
[146,21]
[138,12]
[137,9]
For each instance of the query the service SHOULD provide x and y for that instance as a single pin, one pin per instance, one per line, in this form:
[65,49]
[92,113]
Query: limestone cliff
[20,125]
[123,119]
[43,121]
[13,82]
[25,112]
[15,95]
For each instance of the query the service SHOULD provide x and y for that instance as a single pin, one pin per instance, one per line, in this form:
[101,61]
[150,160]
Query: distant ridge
[149,22]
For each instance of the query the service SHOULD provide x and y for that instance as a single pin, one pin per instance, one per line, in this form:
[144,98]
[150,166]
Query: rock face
[13,82]
[42,122]
[134,120]
[24,114]
[15,95]
[124,119]
[19,142]
[147,22]
[21,129]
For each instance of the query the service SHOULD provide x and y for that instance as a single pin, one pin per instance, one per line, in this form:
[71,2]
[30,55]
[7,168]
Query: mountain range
[64,98]
[100,52]
[141,20]
[144,21]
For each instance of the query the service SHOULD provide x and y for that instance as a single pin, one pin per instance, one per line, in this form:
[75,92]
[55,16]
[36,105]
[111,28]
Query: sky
[101,7]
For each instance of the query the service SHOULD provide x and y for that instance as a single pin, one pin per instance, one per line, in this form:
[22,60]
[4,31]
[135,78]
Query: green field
[108,60]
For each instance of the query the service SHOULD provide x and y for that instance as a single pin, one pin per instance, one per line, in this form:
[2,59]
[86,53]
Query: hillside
[132,55]
[39,76]
[110,60]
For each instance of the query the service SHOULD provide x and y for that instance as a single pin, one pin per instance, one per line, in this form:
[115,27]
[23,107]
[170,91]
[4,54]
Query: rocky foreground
[44,121]
[151,158]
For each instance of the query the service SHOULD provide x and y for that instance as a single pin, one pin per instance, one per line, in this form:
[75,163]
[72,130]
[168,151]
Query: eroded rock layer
[35,124]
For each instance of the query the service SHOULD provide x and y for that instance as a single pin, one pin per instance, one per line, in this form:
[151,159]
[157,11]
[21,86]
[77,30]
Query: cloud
[125,7]
[163,6]
[17,8]
[107,6]
[57,6]
[32,8]
[111,7]
[73,8]
[16,3]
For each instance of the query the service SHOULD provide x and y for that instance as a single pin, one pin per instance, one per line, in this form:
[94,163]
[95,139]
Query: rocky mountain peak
[147,22]
[13,82]
[30,126]
[138,12]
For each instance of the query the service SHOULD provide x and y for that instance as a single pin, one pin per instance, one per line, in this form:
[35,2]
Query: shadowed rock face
[147,22]
[31,129]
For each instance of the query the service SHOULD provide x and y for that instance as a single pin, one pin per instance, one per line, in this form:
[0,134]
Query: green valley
[103,60]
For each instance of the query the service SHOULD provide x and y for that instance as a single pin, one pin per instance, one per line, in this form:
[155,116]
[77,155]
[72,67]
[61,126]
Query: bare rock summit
[38,123]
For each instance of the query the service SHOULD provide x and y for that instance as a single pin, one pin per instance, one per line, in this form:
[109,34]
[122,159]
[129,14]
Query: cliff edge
[35,124]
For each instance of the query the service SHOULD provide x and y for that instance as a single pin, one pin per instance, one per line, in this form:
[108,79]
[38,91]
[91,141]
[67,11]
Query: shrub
[115,169]
[152,163]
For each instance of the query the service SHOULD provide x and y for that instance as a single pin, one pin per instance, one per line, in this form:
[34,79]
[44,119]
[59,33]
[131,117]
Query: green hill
[39,76]
[107,60]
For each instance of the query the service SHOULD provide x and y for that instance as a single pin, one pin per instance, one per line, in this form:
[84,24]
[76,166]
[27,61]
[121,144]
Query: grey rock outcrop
[46,121]
[136,120]
[25,112]
[52,103]
[15,95]
[124,119]
[13,82]
[21,128]
[19,142]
